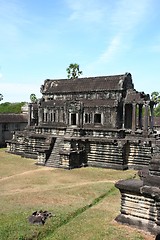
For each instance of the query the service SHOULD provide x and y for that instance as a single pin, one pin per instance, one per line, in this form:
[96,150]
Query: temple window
[73,119]
[51,117]
[97,118]
[87,118]
[54,117]
[46,117]
[17,127]
[5,127]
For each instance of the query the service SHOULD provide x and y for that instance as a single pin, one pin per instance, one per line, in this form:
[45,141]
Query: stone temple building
[10,122]
[94,121]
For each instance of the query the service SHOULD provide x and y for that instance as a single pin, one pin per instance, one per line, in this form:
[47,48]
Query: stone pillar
[140,116]
[133,117]
[78,119]
[40,115]
[81,114]
[92,117]
[57,115]
[51,115]
[123,120]
[45,115]
[152,116]
[146,108]
[29,114]
[60,115]
[69,119]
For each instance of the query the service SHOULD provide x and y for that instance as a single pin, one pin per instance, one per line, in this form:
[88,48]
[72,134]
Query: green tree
[8,107]
[1,97]
[33,98]
[155,96]
[73,71]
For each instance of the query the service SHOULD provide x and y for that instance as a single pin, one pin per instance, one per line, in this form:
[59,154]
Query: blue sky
[39,39]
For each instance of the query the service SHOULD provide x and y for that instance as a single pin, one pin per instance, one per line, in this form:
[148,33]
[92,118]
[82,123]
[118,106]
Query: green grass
[84,201]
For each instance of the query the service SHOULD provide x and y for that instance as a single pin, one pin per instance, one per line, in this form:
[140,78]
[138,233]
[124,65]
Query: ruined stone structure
[94,121]
[140,199]
[10,122]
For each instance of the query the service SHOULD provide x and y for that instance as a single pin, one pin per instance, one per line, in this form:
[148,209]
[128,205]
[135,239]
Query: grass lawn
[84,201]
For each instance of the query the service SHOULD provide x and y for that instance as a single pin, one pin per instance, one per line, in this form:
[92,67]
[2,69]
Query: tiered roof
[89,84]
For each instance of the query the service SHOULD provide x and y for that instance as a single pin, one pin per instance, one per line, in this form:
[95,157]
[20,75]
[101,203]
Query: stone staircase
[69,132]
[54,159]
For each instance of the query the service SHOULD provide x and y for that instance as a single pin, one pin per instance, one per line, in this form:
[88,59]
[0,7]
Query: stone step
[54,158]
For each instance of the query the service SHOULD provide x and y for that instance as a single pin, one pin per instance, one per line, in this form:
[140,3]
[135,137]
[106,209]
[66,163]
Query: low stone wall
[138,155]
[109,155]
[138,209]
[112,151]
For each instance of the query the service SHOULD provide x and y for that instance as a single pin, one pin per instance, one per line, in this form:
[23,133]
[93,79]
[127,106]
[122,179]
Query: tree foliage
[155,96]
[33,98]
[8,107]
[1,97]
[73,71]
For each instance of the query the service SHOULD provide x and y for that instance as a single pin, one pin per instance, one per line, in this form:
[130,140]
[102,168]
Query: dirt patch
[25,173]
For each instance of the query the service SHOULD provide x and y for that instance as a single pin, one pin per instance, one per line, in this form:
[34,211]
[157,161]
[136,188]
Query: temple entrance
[73,119]
[128,116]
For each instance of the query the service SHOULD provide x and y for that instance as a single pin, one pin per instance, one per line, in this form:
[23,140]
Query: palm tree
[73,71]
[1,97]
[155,96]
[33,98]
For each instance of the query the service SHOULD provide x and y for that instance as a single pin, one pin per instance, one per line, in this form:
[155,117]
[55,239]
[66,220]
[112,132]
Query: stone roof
[134,96]
[13,118]
[109,83]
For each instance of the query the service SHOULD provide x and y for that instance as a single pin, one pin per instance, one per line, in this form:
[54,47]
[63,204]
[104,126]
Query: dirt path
[24,173]
[71,185]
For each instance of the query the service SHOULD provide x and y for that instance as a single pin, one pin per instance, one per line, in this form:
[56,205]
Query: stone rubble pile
[39,217]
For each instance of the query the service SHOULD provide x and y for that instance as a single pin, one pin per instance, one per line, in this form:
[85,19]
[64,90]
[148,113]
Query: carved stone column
[123,120]
[133,117]
[146,108]
[152,116]
[81,113]
[29,114]
[140,116]
[40,115]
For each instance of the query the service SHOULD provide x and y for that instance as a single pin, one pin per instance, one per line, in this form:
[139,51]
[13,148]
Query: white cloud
[126,16]
[12,17]
[111,50]
[89,11]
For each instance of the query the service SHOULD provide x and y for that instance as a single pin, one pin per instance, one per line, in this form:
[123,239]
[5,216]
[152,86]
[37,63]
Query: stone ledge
[130,185]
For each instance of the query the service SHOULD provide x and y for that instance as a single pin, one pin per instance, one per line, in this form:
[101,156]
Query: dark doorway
[97,118]
[73,119]
[128,116]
